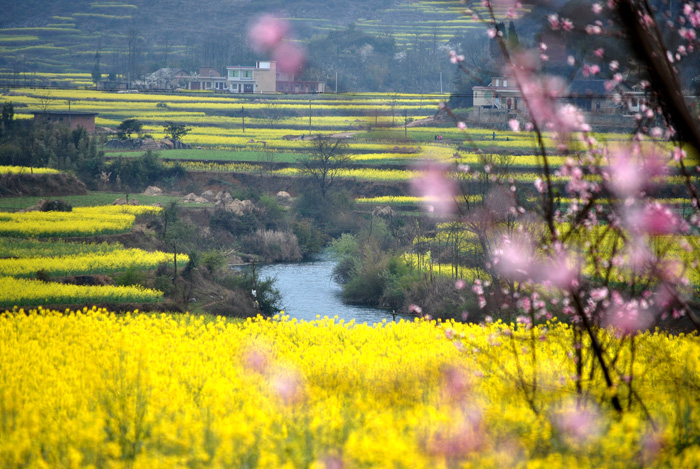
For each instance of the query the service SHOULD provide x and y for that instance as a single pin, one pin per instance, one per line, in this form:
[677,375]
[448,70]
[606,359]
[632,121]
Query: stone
[209,195]
[153,190]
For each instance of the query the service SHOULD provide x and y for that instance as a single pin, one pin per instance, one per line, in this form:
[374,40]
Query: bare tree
[324,164]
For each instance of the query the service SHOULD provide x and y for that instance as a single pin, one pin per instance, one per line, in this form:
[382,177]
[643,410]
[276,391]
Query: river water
[308,290]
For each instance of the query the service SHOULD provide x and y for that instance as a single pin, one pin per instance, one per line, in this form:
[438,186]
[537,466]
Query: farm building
[72,119]
[289,83]
[262,77]
[207,78]
[247,79]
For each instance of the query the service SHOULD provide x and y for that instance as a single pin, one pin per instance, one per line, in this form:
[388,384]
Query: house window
[247,75]
[497,81]
[233,73]
[505,83]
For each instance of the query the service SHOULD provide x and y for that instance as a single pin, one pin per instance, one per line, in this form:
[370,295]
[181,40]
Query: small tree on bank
[128,127]
[175,131]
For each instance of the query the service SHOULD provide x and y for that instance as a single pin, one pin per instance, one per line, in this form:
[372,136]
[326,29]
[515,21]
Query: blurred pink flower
[267,33]
[581,424]
[438,189]
[513,259]
[654,220]
[557,271]
[287,385]
[290,57]
[630,170]
[628,317]
[455,383]
[458,440]
[256,359]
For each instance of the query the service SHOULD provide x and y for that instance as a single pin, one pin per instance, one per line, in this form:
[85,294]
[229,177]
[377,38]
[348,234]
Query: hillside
[137,37]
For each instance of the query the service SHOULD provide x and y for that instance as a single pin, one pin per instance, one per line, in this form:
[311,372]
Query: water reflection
[308,290]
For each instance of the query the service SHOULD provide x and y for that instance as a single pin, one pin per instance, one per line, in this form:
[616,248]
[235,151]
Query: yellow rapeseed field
[81,221]
[94,389]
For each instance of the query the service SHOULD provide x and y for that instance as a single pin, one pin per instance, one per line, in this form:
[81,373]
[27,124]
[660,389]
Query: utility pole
[309,117]
[440,82]
[405,124]
[243,118]
[336,82]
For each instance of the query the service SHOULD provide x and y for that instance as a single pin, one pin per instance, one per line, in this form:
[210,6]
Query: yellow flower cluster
[85,264]
[206,166]
[27,292]
[26,170]
[90,388]
[82,221]
[372,174]
[425,263]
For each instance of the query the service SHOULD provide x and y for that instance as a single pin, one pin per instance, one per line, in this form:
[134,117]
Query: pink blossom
[540,186]
[491,32]
[688,34]
[614,65]
[290,57]
[415,309]
[554,22]
[571,60]
[599,52]
[654,220]
[514,125]
[460,284]
[628,318]
[438,189]
[455,58]
[597,8]
[461,125]
[267,33]
[593,30]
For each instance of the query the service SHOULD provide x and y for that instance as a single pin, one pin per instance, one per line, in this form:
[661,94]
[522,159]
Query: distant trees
[8,119]
[96,73]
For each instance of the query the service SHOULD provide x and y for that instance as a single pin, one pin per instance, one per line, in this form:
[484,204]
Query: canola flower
[91,388]
[20,248]
[87,263]
[425,263]
[405,199]
[26,170]
[26,292]
[82,221]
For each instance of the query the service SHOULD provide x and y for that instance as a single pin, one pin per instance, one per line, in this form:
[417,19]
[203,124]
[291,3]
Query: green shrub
[213,260]
[132,276]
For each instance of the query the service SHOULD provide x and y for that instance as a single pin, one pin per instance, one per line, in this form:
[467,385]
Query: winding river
[308,290]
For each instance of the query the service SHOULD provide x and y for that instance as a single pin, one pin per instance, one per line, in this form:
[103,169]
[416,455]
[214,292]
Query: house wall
[266,77]
[71,120]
